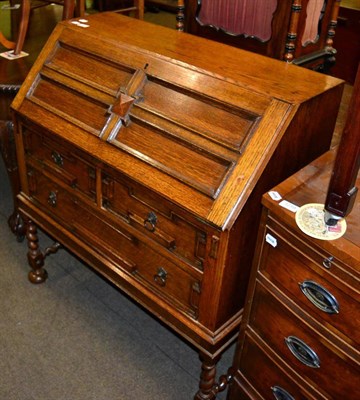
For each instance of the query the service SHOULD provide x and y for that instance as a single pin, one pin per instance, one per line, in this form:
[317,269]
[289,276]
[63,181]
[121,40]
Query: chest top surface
[308,186]
[194,120]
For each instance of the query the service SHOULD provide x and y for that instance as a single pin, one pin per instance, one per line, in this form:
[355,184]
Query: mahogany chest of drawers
[145,151]
[299,337]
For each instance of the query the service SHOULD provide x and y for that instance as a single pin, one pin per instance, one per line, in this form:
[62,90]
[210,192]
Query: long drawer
[128,253]
[310,354]
[137,205]
[267,377]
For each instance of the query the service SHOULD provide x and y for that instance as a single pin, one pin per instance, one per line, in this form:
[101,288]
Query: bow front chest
[145,151]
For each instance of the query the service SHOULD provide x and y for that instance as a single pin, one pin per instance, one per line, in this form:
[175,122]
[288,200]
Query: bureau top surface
[257,73]
[308,186]
[194,120]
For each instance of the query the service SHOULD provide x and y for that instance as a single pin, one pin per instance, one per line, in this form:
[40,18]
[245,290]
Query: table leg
[7,147]
[208,387]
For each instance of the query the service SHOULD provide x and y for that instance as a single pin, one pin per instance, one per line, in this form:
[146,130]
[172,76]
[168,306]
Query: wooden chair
[25,8]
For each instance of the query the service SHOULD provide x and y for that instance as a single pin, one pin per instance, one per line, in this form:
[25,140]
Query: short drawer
[312,286]
[315,255]
[127,254]
[310,354]
[154,216]
[258,371]
[66,164]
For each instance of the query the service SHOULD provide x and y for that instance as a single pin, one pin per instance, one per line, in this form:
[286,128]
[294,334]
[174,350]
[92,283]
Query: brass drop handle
[304,353]
[57,158]
[52,199]
[161,276]
[281,394]
[150,221]
[320,297]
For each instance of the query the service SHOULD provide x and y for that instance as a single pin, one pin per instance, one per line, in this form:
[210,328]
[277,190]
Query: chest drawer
[68,165]
[130,256]
[154,217]
[312,286]
[304,350]
[274,381]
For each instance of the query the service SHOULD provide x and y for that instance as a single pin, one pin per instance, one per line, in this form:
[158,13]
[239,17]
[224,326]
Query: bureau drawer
[268,375]
[306,351]
[155,217]
[312,287]
[66,164]
[128,255]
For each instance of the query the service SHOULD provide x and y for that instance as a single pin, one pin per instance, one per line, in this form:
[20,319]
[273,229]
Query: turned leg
[8,152]
[208,388]
[207,378]
[35,256]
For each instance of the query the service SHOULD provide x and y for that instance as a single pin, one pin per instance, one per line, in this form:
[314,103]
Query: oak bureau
[145,151]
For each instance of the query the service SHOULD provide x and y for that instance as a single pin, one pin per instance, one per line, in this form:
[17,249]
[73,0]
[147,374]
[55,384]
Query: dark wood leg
[180,16]
[207,378]
[68,10]
[208,387]
[8,152]
[35,256]
[24,23]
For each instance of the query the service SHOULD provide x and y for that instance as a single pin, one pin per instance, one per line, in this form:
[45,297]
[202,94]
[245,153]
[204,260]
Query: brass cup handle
[161,276]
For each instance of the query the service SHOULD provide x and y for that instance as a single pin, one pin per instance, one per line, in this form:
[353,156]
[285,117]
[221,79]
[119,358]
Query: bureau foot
[35,256]
[207,385]
[208,388]
[17,226]
[8,152]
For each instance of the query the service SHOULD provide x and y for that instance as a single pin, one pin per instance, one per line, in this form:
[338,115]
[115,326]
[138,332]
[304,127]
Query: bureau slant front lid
[125,92]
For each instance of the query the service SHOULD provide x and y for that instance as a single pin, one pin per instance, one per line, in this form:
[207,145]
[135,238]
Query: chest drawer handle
[327,262]
[150,221]
[52,199]
[320,297]
[302,352]
[281,394]
[57,158]
[160,277]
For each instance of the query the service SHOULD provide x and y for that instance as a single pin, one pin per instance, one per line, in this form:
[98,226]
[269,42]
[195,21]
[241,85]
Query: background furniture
[23,25]
[12,74]
[347,41]
[25,10]
[300,328]
[148,161]
[285,30]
